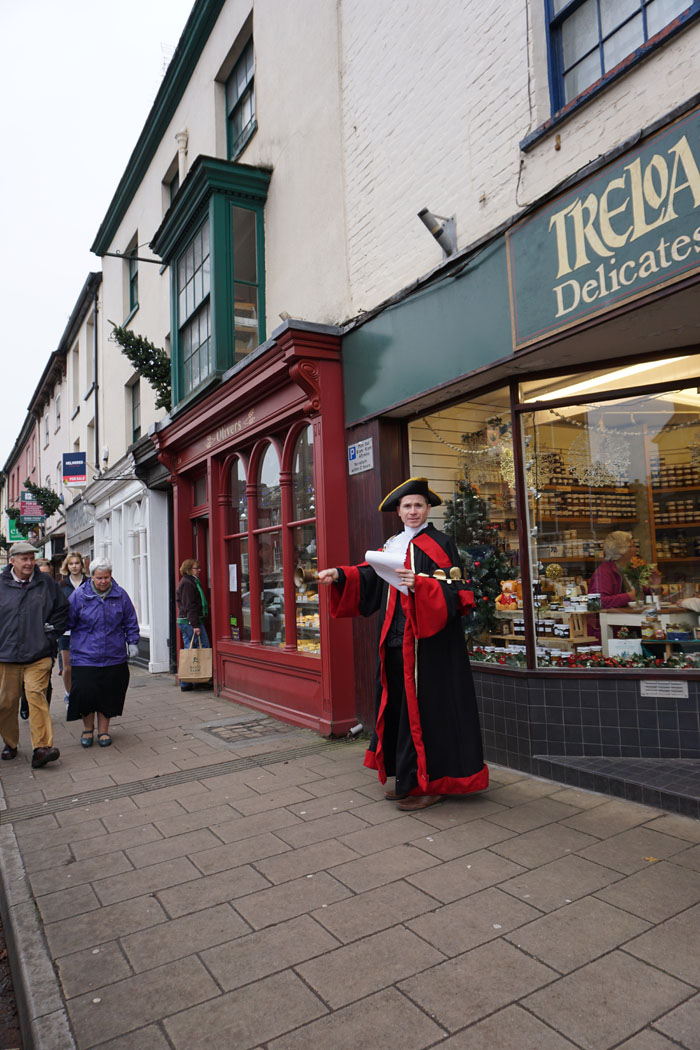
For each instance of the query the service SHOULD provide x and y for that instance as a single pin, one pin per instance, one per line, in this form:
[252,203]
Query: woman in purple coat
[104,631]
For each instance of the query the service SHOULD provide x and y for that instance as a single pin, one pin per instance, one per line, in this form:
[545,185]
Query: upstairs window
[57,407]
[136,410]
[133,283]
[217,272]
[240,102]
[589,38]
[194,318]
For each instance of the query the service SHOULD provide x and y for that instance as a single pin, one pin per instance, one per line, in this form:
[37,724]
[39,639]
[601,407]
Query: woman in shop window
[609,580]
[192,609]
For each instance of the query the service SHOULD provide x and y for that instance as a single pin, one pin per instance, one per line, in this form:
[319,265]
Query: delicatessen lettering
[592,231]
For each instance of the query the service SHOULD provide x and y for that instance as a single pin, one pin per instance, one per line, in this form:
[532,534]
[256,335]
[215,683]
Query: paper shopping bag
[194,664]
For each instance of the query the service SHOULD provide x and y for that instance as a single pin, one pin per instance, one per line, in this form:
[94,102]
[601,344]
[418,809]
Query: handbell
[303,576]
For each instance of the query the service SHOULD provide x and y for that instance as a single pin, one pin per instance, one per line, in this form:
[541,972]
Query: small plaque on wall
[360,456]
[664,688]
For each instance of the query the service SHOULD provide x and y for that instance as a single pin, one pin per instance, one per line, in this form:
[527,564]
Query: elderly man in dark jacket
[33,613]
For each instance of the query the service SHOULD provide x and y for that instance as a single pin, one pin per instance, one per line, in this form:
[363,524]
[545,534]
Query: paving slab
[388,1017]
[553,885]
[578,933]
[674,946]
[356,970]
[268,951]
[366,913]
[469,987]
[247,1016]
[509,1029]
[594,1006]
[683,1024]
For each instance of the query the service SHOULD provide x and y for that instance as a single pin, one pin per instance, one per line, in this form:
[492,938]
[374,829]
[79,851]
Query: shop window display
[467,452]
[613,493]
[303,527]
[259,529]
[268,538]
[237,546]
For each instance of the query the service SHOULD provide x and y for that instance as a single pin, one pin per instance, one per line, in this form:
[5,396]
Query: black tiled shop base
[643,748]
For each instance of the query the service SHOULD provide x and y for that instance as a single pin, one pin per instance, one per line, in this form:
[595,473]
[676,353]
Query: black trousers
[400,758]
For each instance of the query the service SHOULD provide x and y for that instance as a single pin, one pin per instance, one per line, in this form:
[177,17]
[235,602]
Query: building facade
[536,356]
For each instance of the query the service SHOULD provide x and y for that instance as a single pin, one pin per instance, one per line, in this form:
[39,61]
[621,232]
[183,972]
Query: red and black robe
[429,736]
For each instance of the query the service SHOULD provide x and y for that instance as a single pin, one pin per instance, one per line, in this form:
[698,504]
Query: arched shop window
[303,526]
[281,519]
[238,563]
[268,541]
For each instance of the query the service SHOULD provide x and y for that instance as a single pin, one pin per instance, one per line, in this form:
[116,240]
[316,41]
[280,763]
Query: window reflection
[269,494]
[614,516]
[271,588]
[467,453]
[303,494]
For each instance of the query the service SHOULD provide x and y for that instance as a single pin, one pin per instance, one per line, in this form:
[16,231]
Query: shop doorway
[200,551]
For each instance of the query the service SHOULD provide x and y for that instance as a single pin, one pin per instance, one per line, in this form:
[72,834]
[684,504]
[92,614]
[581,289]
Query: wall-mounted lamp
[443,229]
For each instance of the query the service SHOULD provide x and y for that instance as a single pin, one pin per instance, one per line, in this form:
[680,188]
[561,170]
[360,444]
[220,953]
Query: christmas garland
[150,361]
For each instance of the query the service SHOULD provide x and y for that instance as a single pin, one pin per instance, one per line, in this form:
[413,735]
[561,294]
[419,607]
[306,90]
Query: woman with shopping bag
[192,609]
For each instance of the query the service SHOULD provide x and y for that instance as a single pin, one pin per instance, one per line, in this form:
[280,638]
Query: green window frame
[136,410]
[217,271]
[193,308]
[133,283]
[240,102]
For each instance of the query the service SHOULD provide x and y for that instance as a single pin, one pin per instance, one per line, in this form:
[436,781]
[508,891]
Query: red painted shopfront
[259,497]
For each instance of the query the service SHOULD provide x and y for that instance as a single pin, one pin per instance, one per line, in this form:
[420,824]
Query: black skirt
[100,689]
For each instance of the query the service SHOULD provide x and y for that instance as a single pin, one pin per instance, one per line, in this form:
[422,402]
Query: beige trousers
[35,678]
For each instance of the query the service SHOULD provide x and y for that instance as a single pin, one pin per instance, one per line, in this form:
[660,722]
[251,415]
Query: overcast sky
[77,81]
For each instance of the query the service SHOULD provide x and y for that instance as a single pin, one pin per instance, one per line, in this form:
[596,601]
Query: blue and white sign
[74,468]
[360,456]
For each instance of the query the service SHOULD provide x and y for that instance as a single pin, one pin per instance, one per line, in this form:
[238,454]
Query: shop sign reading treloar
[632,227]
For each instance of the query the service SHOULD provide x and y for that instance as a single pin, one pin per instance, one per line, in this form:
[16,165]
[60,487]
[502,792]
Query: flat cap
[22,547]
[410,487]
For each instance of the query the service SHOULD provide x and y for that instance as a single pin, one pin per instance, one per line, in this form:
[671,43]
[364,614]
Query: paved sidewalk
[219,881]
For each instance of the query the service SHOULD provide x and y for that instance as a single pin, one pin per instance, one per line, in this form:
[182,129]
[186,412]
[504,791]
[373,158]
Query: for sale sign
[30,511]
[74,468]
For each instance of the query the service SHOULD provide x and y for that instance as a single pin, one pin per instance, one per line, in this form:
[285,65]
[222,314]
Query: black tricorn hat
[411,487]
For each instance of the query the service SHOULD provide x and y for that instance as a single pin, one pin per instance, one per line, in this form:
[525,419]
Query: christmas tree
[467,521]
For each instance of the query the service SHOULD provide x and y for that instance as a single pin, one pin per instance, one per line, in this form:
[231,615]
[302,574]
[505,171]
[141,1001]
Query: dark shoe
[186,686]
[23,709]
[394,796]
[87,738]
[414,802]
[104,740]
[42,755]
[8,753]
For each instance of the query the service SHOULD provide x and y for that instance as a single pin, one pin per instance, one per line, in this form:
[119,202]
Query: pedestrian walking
[33,614]
[427,731]
[104,631]
[72,577]
[192,608]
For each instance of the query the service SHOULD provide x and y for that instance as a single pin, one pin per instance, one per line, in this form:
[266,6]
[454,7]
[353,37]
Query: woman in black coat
[192,608]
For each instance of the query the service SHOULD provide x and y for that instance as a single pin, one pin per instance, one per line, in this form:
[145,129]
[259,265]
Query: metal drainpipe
[96,389]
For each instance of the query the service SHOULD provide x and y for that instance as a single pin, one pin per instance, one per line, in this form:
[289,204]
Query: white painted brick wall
[436,97]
